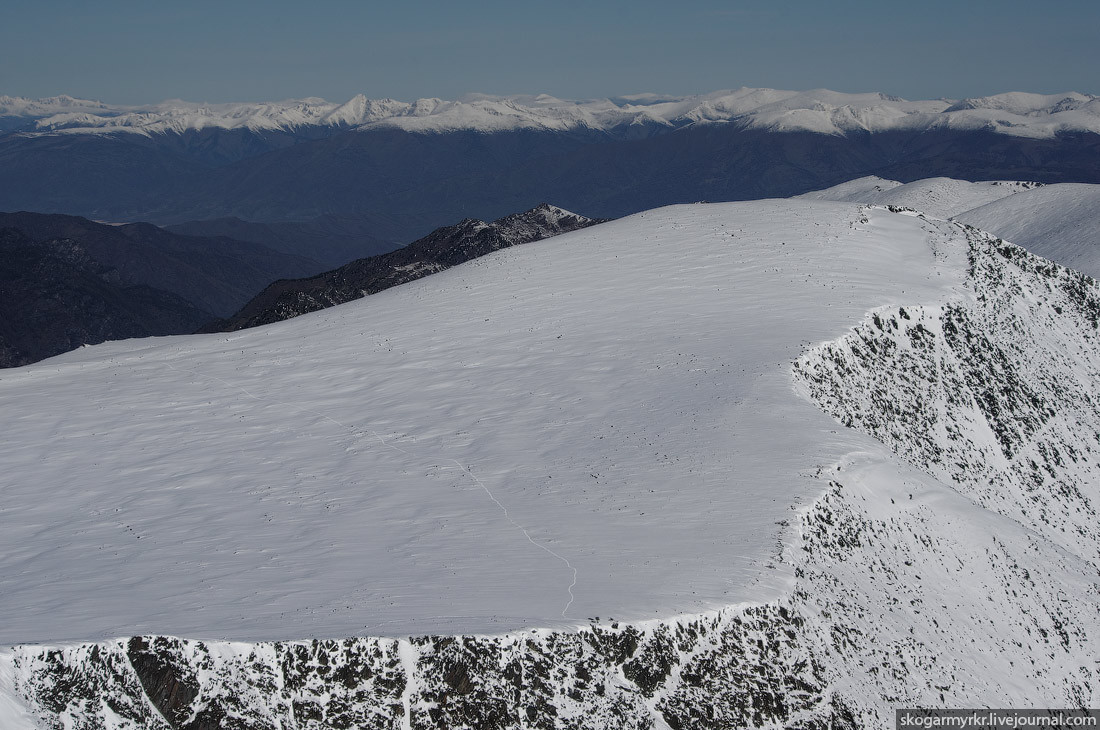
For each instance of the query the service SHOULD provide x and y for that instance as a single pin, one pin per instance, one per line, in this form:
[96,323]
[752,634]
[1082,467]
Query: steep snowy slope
[1058,222]
[817,461]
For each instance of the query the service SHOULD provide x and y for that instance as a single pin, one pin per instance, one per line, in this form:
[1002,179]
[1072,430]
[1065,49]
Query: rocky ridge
[441,249]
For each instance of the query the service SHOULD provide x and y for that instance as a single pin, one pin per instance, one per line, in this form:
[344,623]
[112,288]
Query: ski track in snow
[355,432]
[526,534]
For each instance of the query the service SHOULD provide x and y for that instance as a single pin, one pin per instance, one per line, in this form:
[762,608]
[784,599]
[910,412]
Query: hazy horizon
[131,53]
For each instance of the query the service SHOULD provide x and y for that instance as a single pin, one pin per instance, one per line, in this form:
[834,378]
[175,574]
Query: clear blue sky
[130,52]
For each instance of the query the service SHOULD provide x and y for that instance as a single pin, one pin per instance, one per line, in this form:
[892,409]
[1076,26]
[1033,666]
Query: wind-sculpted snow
[618,390]
[945,553]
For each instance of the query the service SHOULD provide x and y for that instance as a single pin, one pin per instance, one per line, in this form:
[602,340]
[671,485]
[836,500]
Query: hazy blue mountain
[69,281]
[56,298]
[329,239]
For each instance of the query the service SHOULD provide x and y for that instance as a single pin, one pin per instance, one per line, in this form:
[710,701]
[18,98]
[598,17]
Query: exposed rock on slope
[1058,222]
[441,249]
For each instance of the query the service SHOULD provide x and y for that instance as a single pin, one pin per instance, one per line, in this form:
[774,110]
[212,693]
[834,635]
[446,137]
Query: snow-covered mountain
[782,463]
[939,197]
[821,110]
[1059,222]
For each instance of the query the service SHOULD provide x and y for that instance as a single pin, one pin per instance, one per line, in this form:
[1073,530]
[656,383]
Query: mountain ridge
[69,281]
[1056,221]
[820,110]
[443,248]
[418,166]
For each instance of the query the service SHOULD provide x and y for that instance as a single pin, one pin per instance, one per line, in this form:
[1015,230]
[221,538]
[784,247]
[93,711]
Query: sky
[128,52]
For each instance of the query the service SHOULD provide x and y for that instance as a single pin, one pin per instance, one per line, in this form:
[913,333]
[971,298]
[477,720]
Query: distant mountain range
[365,176]
[820,110]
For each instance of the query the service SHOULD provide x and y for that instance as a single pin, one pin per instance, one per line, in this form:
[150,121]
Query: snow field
[439,458]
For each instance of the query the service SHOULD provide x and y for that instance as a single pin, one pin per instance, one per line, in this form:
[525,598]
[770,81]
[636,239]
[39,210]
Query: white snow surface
[939,197]
[1058,222]
[13,712]
[820,110]
[601,424]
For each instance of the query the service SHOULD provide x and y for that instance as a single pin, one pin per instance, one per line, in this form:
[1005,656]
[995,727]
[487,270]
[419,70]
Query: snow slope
[940,197]
[818,461]
[457,441]
[819,110]
[1059,222]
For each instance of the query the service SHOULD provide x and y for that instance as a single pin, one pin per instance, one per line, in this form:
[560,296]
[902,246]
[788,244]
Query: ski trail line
[522,529]
[462,467]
